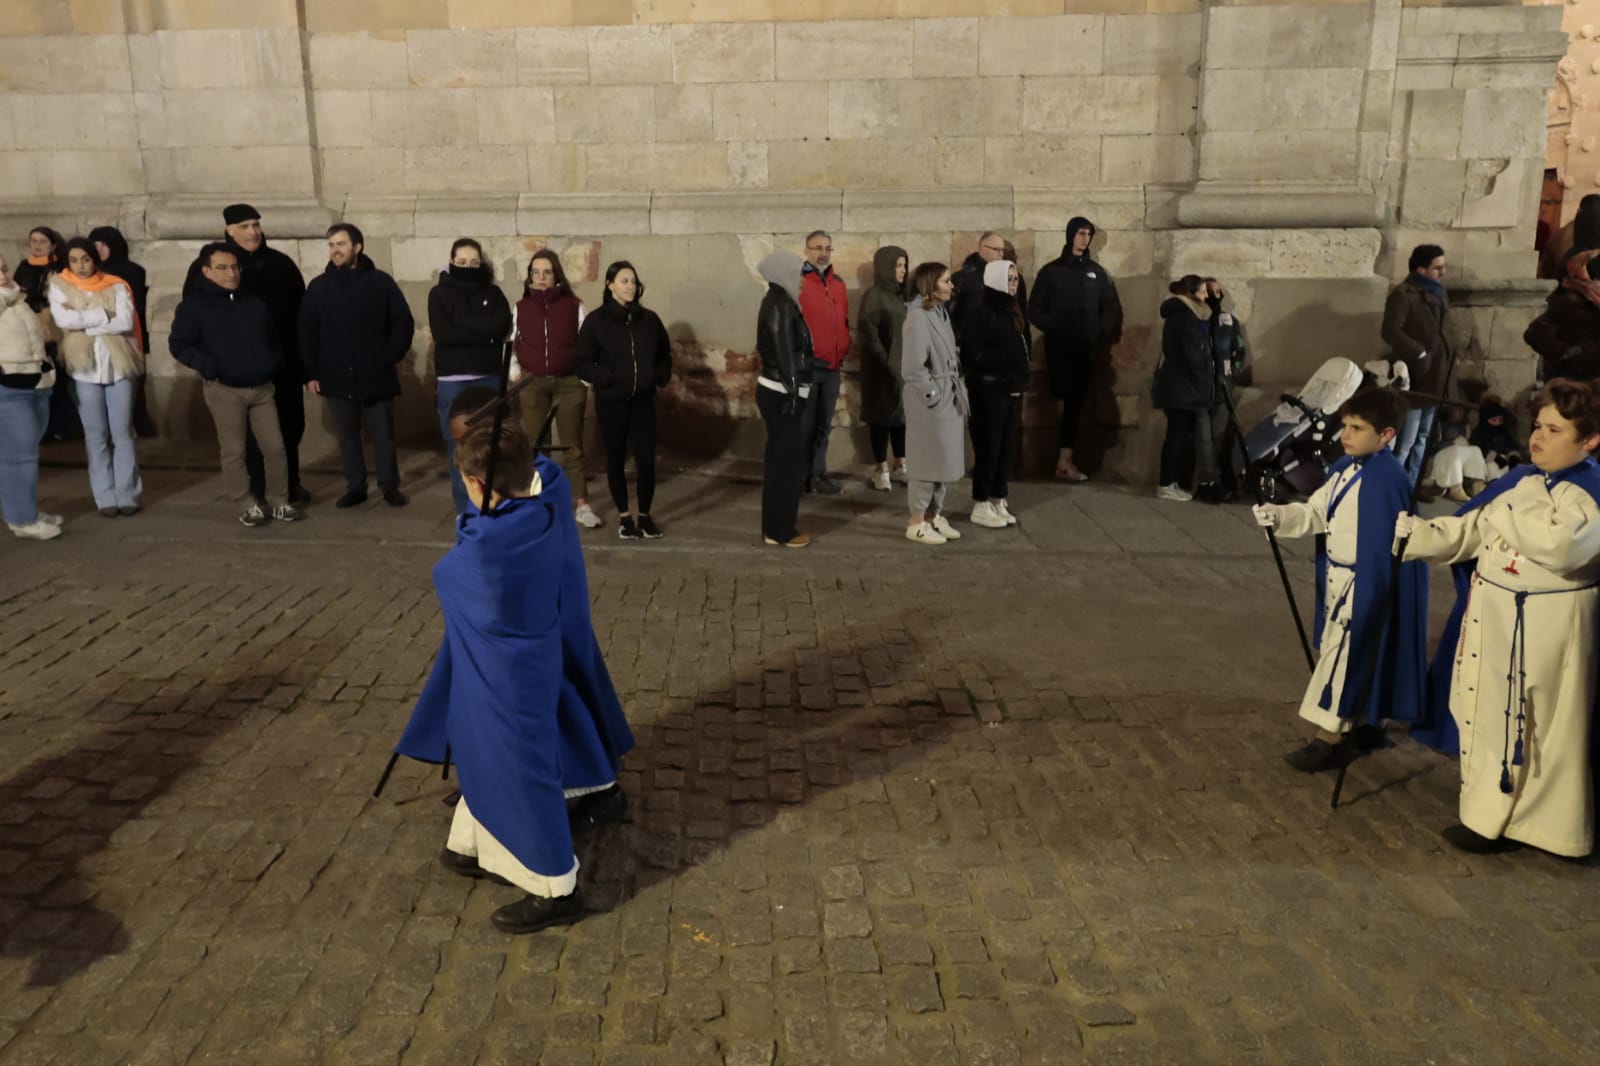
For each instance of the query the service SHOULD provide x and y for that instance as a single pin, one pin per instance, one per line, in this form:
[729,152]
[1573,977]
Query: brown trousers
[571,400]
[235,410]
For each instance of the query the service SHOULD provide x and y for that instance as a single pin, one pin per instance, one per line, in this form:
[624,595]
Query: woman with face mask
[470,321]
[102,348]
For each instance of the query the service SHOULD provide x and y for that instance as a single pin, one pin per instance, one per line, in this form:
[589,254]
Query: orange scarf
[99,283]
[38,260]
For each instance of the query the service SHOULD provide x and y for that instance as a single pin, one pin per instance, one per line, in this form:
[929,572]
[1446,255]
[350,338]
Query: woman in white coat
[936,405]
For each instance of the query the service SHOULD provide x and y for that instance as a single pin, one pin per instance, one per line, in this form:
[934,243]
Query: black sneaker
[648,528]
[129,511]
[806,488]
[255,515]
[1369,737]
[627,529]
[596,809]
[352,498]
[533,913]
[298,494]
[1463,839]
[1315,757]
[467,866]
[395,498]
[826,486]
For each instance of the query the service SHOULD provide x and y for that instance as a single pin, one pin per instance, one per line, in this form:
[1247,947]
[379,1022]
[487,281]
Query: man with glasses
[227,336]
[826,307]
[969,281]
[1414,327]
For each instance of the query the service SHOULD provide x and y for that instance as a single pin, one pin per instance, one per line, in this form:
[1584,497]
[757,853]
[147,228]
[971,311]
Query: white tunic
[1542,543]
[1338,589]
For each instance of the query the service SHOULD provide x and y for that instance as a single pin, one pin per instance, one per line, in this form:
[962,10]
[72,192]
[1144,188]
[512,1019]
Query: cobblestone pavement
[1015,800]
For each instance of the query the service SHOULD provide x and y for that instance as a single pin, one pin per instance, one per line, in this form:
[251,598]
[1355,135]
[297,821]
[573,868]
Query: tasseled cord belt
[1517,677]
[1326,700]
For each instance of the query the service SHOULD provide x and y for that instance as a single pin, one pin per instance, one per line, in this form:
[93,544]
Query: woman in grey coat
[936,405]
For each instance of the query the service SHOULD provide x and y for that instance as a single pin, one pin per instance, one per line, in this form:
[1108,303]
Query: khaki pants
[571,399]
[235,410]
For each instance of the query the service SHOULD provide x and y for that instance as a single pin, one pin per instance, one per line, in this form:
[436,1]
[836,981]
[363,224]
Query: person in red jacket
[826,307]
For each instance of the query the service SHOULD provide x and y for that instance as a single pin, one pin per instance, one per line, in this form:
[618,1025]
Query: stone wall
[1295,150]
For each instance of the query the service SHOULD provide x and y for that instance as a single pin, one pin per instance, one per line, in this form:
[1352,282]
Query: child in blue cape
[1371,636]
[1519,655]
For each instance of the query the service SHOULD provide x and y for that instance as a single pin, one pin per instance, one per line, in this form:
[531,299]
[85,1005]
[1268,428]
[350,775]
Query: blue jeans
[1411,443]
[447,392]
[23,414]
[107,413]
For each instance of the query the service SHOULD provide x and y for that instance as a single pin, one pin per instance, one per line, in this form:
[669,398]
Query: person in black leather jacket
[784,344]
[996,358]
[625,355]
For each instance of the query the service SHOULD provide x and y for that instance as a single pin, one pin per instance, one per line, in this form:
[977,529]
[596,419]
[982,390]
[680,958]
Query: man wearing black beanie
[275,279]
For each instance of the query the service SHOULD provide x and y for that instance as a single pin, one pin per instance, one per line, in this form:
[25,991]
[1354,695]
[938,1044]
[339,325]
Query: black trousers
[994,439]
[1071,370]
[786,463]
[885,436]
[376,418]
[290,400]
[625,423]
[1188,441]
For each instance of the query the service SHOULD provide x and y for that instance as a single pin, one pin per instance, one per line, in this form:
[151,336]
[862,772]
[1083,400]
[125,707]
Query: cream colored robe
[1546,543]
[1338,599]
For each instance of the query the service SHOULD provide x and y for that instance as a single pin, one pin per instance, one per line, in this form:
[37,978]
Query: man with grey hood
[784,344]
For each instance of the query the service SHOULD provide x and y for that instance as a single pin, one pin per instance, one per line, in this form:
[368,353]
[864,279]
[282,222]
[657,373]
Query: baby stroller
[1290,450]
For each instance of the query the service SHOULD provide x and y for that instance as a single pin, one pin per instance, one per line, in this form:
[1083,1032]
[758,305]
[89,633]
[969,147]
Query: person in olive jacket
[996,358]
[355,328]
[1185,387]
[470,321]
[226,336]
[879,320]
[625,355]
[1075,306]
[783,343]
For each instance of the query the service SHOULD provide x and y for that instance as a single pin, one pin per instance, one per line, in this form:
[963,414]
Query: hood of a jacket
[1075,224]
[113,239]
[883,262]
[363,264]
[997,276]
[783,269]
[1174,304]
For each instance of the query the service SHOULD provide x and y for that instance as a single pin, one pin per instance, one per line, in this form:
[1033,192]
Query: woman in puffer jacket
[1185,387]
[26,378]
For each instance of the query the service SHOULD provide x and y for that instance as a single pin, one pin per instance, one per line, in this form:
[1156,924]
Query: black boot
[1315,757]
[533,913]
[1463,839]
[596,809]
[467,866]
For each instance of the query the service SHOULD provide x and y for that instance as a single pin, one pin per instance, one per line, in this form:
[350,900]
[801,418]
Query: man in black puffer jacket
[784,343]
[227,336]
[355,328]
[1075,305]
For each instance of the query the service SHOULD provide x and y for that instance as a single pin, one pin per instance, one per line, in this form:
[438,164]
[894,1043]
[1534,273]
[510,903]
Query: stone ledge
[747,211]
[974,208]
[1502,292]
[1108,206]
[590,214]
[200,218]
[1279,206]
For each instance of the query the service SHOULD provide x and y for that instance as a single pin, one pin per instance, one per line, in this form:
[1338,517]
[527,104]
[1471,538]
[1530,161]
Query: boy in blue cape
[495,688]
[1372,651]
[1514,677]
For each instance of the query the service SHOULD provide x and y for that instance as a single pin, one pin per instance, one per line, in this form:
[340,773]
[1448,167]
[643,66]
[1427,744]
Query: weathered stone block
[1133,159]
[1497,19]
[555,55]
[1177,103]
[1279,155]
[951,106]
[284,170]
[458,168]
[633,166]
[1108,104]
[958,160]
[523,115]
[1503,122]
[1325,253]
[557,167]
[1152,44]
[595,214]
[73,121]
[1125,254]
[1432,121]
[408,118]
[458,59]
[344,118]
[730,51]
[252,117]
[837,163]
[826,51]
[745,212]
[1500,193]
[1056,44]
[945,48]
[630,55]
[1313,99]
[19,173]
[769,111]
[747,163]
[75,63]
[1299,324]
[602,113]
[1294,36]
[365,170]
[358,60]
[901,209]
[231,59]
[1109,206]
[378,216]
[1041,161]
[683,113]
[1224,253]
[144,62]
[343,15]
[1432,192]
[451,217]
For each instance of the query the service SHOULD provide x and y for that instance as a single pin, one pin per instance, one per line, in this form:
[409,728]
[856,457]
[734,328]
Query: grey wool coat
[935,395]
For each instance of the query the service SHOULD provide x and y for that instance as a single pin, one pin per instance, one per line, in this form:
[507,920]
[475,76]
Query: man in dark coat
[969,284]
[1414,328]
[1075,305]
[355,328]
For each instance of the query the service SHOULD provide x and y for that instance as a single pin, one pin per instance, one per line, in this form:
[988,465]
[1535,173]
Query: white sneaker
[39,530]
[880,479]
[985,515]
[1173,492]
[923,533]
[52,519]
[586,517]
[1004,511]
[941,525]
[900,474]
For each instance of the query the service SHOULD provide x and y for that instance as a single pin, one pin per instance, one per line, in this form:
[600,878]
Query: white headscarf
[997,275]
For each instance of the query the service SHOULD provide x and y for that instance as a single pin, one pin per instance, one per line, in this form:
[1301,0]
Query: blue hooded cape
[493,691]
[1385,672]
[1438,729]
[594,734]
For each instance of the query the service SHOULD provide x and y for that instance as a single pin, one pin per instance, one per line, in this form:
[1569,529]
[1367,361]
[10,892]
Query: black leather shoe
[533,913]
[467,866]
[298,494]
[1315,757]
[597,809]
[352,498]
[826,486]
[395,498]
[1463,839]
[1369,737]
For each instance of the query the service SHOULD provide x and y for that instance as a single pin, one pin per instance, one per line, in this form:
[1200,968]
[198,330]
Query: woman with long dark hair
[470,321]
[46,249]
[625,355]
[1185,387]
[996,357]
[549,316]
[936,405]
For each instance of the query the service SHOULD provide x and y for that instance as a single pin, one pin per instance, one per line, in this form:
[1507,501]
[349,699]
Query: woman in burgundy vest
[548,316]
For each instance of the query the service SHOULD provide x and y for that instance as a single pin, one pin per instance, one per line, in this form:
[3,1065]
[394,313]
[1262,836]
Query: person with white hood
[784,344]
[26,378]
[936,405]
[994,354]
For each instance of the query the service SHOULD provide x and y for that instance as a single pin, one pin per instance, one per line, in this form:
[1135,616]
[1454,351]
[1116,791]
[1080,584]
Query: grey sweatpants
[926,497]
